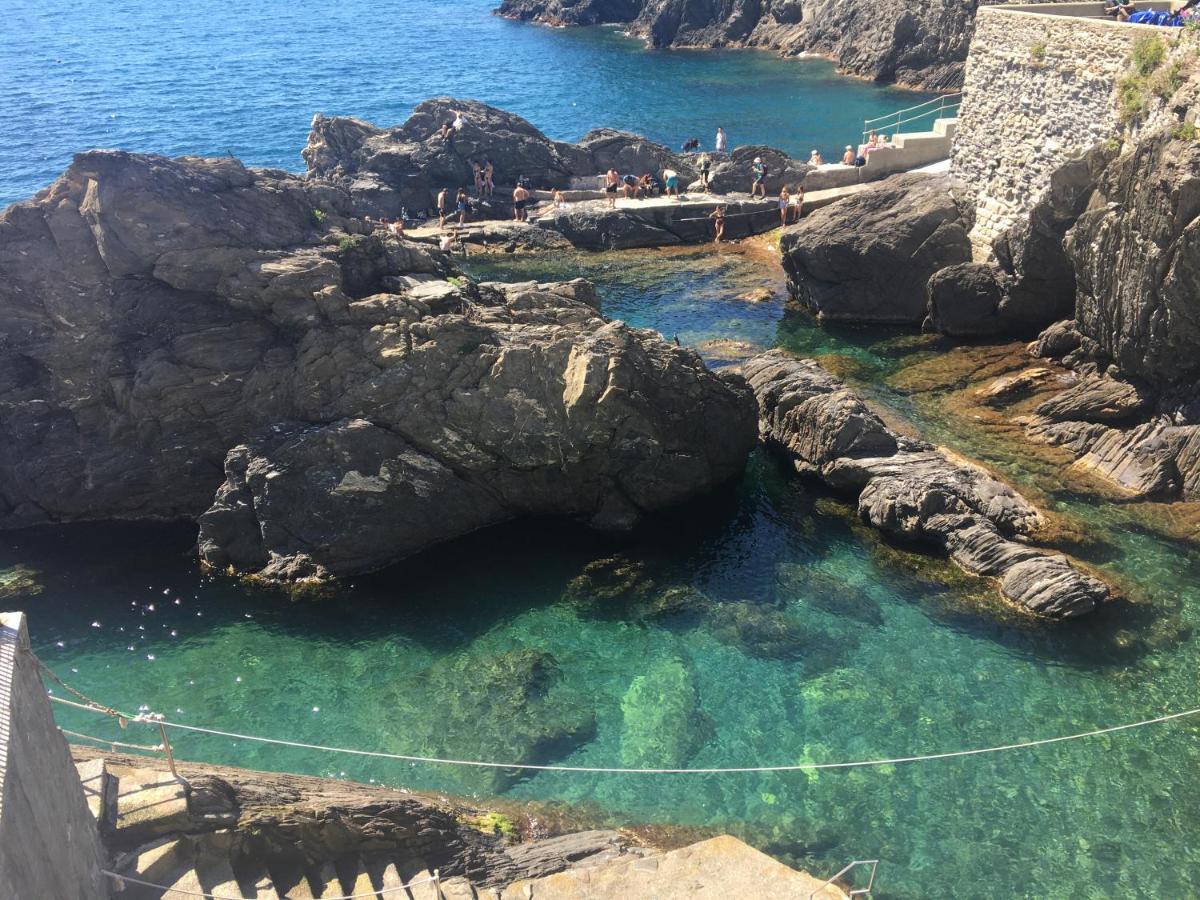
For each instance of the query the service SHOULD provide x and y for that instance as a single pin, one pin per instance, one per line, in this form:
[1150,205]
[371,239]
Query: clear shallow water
[214,77]
[802,638]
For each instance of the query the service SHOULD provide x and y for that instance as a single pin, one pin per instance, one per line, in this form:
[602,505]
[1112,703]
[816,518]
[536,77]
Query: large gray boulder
[869,257]
[179,329]
[912,490]
[735,172]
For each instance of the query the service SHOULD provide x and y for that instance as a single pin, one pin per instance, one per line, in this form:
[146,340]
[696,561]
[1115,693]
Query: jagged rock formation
[912,490]
[664,222]
[869,257]
[172,324]
[736,172]
[923,45]
[387,169]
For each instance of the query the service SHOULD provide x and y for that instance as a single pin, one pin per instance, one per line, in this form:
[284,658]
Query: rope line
[174,890]
[615,770]
[88,737]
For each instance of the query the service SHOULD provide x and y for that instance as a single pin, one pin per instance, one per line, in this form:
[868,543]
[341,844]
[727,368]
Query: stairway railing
[855,892]
[937,108]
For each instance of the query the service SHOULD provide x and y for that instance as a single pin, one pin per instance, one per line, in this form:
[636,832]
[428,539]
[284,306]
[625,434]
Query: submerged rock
[765,631]
[183,328]
[912,490]
[869,257]
[662,723]
[508,707]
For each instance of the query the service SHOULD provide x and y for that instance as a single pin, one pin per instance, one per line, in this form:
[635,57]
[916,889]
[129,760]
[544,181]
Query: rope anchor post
[166,745]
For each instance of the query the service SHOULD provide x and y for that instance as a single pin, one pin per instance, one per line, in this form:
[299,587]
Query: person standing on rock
[477,170]
[489,177]
[521,200]
[721,141]
[705,164]
[785,206]
[611,181]
[461,206]
[718,217]
[760,179]
[441,207]
[798,202]
[671,179]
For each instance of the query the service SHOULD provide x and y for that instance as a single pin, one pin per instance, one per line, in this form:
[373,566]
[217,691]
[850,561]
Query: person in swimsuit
[631,186]
[489,177]
[671,178]
[814,159]
[718,217]
[785,206]
[760,178]
[798,201]
[848,156]
[646,185]
[560,199]
[441,208]
[478,172]
[461,206]
[721,140]
[520,200]
[611,181]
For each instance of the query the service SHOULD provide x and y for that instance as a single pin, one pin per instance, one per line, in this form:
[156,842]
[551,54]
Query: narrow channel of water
[766,627]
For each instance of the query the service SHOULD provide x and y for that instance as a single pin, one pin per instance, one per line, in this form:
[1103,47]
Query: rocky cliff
[923,45]
[190,335]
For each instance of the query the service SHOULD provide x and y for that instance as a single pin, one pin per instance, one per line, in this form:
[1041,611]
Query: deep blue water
[209,77]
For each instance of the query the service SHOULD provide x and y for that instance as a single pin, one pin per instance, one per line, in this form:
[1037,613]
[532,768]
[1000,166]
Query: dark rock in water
[758,629]
[386,169]
[510,707]
[965,300]
[911,490]
[622,588]
[1136,253]
[1057,341]
[662,723]
[172,324]
[820,590]
[869,257]
[735,173]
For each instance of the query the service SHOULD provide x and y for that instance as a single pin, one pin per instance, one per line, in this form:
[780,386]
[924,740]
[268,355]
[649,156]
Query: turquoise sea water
[765,628]
[211,77]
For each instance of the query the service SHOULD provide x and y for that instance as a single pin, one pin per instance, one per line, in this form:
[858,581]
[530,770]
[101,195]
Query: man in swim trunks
[461,206]
[671,177]
[489,178]
[631,186]
[760,179]
[611,181]
[441,208]
[520,200]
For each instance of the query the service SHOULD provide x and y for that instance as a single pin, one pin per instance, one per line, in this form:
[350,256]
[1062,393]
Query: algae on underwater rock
[19,581]
[510,707]
[661,718]
[758,629]
[829,592]
[621,588]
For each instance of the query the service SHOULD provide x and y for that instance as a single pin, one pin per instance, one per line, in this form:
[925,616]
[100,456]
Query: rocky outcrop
[920,45]
[869,257]
[170,325]
[385,170]
[912,490]
[735,172]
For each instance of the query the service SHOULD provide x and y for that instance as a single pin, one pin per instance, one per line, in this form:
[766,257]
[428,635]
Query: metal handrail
[855,892]
[898,112]
[944,103]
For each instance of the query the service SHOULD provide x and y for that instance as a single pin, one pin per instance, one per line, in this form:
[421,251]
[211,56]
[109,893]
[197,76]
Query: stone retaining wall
[1040,89]
[49,845]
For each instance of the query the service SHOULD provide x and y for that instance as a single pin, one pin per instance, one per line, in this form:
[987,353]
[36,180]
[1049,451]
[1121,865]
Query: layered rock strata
[178,328]
[912,490]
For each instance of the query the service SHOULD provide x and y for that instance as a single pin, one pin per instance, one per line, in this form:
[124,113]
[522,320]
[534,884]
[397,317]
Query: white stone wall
[1039,90]
[49,846]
